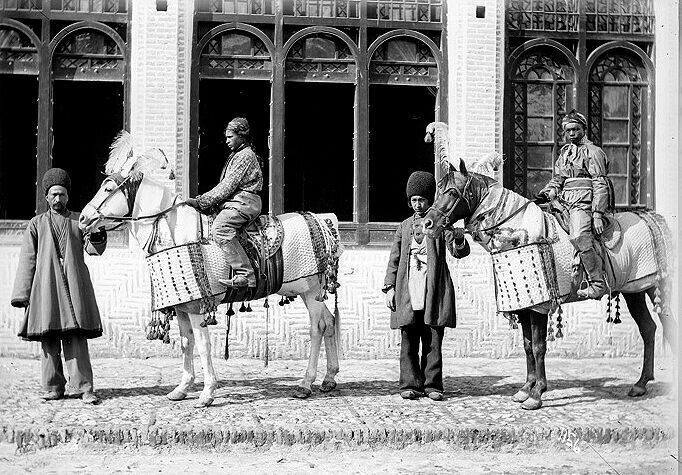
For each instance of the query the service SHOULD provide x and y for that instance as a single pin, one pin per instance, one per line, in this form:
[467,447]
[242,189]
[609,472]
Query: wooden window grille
[422,11]
[17,53]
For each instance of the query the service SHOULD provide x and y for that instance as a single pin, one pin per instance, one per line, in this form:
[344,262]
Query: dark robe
[439,307]
[61,299]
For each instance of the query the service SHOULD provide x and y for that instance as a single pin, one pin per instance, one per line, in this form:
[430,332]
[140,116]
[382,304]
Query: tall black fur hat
[56,176]
[421,183]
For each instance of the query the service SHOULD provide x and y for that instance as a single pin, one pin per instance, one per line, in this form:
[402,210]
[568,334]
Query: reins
[497,225]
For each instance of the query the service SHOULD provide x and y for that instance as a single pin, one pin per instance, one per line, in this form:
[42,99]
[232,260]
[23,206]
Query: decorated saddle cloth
[534,263]
[307,242]
[191,272]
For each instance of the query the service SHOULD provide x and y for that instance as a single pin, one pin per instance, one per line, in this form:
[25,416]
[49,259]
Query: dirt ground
[72,458]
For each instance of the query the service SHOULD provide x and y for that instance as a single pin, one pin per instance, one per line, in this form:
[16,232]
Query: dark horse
[497,217]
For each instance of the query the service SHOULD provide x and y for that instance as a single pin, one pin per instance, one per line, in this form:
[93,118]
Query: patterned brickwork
[123,292]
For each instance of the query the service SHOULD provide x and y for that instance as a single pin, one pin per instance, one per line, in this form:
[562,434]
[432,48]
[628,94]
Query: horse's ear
[462,168]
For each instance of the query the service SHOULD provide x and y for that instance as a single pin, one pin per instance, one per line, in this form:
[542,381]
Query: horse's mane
[487,165]
[124,159]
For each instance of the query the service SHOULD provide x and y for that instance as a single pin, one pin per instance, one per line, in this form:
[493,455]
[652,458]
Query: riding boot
[594,268]
[242,272]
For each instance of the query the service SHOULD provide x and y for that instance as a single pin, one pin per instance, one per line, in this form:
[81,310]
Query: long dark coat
[439,307]
[58,304]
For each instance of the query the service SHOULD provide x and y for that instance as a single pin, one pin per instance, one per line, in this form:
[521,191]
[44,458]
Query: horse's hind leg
[317,329]
[332,349]
[647,328]
[667,319]
[538,324]
[187,346]
[524,393]
[204,345]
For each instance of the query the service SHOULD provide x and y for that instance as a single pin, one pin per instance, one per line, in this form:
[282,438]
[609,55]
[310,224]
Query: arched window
[18,55]
[618,95]
[234,54]
[403,60]
[319,57]
[88,54]
[541,95]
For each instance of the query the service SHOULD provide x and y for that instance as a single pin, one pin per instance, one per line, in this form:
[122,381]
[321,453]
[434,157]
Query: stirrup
[236,281]
[591,292]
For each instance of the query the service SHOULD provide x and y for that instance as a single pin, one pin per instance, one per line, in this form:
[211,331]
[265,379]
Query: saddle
[262,241]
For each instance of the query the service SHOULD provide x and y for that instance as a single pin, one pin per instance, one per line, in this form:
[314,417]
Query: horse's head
[115,200]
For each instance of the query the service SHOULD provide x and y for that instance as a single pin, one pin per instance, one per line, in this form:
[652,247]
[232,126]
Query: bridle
[445,213]
[125,187]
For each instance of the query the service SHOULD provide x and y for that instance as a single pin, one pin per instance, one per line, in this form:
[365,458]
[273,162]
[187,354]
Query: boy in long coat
[53,285]
[420,294]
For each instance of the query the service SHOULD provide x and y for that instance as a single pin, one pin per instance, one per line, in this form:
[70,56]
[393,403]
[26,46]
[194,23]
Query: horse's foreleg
[317,329]
[524,393]
[204,345]
[647,328]
[187,346]
[667,320]
[538,324]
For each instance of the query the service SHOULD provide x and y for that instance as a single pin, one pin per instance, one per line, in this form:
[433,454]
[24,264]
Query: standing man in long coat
[420,294]
[53,285]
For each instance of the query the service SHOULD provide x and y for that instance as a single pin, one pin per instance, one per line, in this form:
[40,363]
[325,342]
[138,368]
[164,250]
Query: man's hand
[541,198]
[193,202]
[390,299]
[458,236]
[598,224]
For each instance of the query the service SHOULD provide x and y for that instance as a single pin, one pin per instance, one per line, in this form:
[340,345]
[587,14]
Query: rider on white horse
[581,180]
[235,201]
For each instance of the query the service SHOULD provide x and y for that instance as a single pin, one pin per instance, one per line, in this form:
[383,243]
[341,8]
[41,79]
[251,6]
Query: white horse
[123,201]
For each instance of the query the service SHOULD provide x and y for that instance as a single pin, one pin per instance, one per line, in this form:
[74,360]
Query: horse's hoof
[520,396]
[531,404]
[637,391]
[204,401]
[302,393]
[176,395]
[327,386]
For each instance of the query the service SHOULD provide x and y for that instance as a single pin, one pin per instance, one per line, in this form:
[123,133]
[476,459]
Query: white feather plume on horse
[123,158]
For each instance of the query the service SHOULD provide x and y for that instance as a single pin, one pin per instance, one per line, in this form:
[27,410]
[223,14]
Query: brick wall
[476,55]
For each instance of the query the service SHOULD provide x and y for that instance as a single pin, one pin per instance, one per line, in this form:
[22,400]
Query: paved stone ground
[586,403]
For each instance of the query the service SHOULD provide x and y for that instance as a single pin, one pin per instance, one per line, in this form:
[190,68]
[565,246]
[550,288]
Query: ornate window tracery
[234,54]
[426,11]
[21,5]
[89,6]
[543,15]
[89,54]
[620,16]
[540,86]
[319,57]
[18,55]
[617,91]
[404,61]
[239,7]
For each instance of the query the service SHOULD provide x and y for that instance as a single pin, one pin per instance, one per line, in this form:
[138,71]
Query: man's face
[57,197]
[232,140]
[419,204]
[574,132]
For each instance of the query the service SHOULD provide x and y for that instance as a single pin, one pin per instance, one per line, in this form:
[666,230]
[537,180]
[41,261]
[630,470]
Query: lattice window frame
[424,66]
[20,56]
[70,61]
[215,62]
[341,67]
[637,84]
[563,78]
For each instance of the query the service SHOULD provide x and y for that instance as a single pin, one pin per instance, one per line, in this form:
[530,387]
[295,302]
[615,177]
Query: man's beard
[58,207]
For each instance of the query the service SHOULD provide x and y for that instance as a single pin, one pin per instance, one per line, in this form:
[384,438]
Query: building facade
[338,93]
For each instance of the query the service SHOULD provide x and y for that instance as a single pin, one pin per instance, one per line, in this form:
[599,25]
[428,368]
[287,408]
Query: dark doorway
[221,100]
[18,146]
[87,115]
[398,116]
[318,148]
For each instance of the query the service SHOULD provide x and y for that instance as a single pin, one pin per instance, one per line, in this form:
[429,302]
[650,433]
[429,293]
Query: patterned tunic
[581,177]
[241,173]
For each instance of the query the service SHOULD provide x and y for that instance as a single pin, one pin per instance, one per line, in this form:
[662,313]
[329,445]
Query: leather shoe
[410,394]
[53,395]
[436,395]
[90,398]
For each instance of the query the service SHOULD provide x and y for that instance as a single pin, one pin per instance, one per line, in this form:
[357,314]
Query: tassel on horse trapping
[550,329]
[242,308]
[609,319]
[230,311]
[282,302]
[248,307]
[616,320]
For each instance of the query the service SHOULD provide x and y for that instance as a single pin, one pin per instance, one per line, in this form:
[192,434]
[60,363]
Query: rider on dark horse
[235,201]
[580,179]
